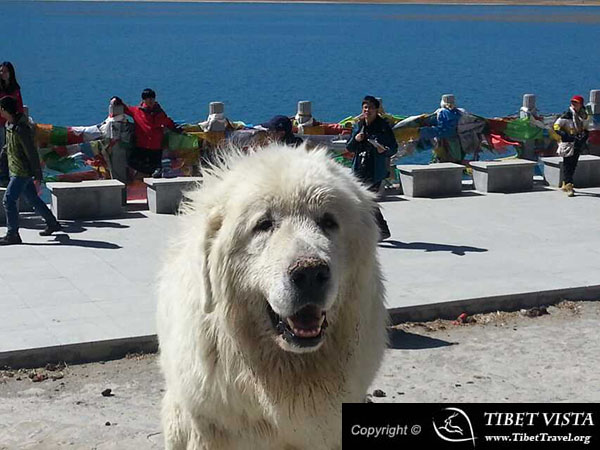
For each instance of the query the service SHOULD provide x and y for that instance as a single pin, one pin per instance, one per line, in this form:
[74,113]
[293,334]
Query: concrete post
[593,108]
[381,110]
[304,116]
[216,120]
[304,108]
[121,133]
[525,112]
[216,108]
[528,107]
[595,101]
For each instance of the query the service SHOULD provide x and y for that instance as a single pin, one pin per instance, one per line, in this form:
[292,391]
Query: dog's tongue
[307,322]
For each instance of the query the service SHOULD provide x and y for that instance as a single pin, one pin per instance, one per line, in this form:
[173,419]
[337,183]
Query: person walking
[8,87]
[150,121]
[570,126]
[24,167]
[372,143]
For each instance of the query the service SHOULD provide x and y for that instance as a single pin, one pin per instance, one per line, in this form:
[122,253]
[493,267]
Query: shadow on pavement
[79,226]
[65,239]
[401,340]
[391,198]
[586,194]
[459,250]
[31,221]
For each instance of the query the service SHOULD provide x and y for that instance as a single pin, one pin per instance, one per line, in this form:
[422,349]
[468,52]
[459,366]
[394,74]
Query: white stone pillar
[593,108]
[526,111]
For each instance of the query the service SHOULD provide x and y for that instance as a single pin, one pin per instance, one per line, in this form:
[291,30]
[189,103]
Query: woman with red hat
[570,126]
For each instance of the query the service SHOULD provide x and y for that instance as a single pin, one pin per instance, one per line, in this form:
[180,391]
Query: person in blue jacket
[444,130]
[372,143]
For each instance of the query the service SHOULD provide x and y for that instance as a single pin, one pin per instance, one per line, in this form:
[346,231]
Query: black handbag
[366,162]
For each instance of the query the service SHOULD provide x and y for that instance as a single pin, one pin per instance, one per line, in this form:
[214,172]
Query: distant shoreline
[390,2]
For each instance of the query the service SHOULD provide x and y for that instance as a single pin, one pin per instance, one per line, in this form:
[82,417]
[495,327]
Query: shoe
[384,234]
[11,239]
[569,190]
[563,187]
[51,229]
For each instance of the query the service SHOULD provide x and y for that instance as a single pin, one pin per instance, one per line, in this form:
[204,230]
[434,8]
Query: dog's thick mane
[219,366]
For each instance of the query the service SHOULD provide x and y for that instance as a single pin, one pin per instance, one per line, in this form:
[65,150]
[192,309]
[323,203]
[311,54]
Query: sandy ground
[495,358]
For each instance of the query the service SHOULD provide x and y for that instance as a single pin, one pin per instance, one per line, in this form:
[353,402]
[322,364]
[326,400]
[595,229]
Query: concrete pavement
[480,253]
[89,294]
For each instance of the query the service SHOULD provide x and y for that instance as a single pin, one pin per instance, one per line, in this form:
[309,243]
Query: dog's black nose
[310,277]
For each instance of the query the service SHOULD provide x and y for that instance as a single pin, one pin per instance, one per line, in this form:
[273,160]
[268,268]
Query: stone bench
[587,173]
[513,175]
[433,180]
[165,194]
[86,199]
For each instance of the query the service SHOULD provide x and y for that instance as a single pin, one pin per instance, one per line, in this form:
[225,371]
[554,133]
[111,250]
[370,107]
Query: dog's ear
[212,226]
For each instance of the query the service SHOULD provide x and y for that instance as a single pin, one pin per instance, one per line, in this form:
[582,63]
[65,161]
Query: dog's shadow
[459,250]
[402,340]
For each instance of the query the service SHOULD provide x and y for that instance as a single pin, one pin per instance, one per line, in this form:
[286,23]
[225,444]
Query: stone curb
[79,353]
[88,352]
[510,302]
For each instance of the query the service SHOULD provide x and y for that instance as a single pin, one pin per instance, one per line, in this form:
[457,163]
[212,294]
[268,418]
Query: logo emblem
[454,426]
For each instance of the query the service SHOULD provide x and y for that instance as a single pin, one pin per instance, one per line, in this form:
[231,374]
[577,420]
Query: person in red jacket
[150,121]
[9,87]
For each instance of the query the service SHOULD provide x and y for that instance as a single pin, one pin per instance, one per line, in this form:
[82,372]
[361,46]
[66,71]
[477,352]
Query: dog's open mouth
[305,328]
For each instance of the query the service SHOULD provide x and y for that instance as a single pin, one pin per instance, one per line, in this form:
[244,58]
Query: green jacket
[23,158]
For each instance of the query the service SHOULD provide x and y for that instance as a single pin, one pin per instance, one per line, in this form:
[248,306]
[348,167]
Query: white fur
[232,383]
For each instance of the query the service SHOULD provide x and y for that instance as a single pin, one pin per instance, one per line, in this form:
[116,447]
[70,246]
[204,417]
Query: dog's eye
[328,222]
[263,225]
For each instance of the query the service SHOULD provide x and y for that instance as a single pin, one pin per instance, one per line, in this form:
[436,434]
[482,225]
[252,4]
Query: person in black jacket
[570,127]
[372,143]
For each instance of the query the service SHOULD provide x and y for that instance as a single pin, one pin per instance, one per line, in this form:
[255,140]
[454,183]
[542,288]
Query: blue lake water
[260,59]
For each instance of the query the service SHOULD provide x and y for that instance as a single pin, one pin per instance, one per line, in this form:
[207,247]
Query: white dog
[271,311]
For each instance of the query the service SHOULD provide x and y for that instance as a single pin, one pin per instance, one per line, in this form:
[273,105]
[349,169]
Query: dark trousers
[145,160]
[381,222]
[570,164]
[23,186]
[4,178]
[3,159]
